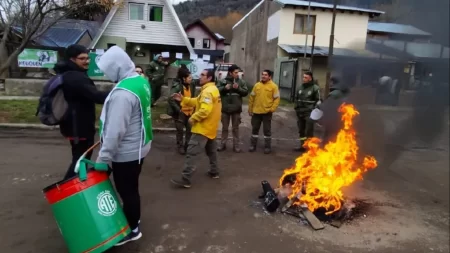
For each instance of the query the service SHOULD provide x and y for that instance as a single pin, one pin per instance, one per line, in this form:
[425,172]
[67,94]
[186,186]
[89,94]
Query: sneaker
[133,236]
[183,182]
[213,175]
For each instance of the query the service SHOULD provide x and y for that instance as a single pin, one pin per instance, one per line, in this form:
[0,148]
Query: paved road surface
[222,216]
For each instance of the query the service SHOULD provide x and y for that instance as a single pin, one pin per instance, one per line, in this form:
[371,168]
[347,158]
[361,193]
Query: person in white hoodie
[125,131]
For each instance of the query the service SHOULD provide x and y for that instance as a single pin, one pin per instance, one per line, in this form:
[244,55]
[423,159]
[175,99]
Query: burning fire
[321,173]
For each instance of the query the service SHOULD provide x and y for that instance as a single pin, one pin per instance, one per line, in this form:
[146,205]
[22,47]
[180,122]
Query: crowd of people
[125,122]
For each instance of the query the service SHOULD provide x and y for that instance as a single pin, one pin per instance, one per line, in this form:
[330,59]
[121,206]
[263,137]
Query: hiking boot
[133,236]
[213,175]
[183,182]
[253,143]
[222,147]
[267,145]
[237,150]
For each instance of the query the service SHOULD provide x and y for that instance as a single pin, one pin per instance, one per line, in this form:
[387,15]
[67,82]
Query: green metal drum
[88,212]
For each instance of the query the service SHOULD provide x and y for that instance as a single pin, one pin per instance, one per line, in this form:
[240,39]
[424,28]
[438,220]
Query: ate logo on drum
[107,205]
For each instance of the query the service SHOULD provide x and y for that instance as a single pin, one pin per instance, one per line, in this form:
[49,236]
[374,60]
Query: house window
[302,26]
[110,45]
[206,43]
[192,41]
[136,11]
[155,13]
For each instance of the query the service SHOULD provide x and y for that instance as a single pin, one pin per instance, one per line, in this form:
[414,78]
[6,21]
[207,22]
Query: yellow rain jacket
[265,98]
[207,112]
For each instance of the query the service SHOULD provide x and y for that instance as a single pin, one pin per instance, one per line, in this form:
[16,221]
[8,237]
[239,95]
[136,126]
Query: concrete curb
[44,127]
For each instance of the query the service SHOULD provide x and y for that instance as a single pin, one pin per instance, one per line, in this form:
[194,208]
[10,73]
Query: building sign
[37,58]
[93,68]
[195,67]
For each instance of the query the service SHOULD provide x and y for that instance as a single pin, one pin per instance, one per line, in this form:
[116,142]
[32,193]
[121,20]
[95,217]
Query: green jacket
[156,72]
[232,98]
[307,98]
[174,106]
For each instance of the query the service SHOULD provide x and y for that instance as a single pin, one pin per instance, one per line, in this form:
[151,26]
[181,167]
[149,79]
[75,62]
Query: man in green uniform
[232,90]
[155,72]
[307,98]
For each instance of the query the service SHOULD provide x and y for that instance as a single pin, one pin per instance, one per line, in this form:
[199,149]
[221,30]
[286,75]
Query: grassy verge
[23,111]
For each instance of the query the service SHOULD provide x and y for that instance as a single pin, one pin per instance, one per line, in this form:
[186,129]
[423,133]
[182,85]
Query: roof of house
[58,37]
[205,27]
[323,51]
[171,10]
[411,50]
[285,3]
[395,28]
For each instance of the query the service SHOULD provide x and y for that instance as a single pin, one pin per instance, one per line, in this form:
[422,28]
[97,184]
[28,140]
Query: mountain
[221,15]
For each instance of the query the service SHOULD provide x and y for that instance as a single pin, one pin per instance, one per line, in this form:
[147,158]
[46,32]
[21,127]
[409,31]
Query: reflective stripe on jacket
[264,98]
[207,113]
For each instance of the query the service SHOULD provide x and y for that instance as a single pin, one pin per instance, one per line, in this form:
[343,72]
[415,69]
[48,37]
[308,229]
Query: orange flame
[323,172]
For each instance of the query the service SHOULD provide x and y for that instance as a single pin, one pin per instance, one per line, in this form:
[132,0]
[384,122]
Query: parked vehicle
[222,71]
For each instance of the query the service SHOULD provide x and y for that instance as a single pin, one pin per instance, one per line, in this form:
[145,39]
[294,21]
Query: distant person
[155,73]
[232,89]
[81,95]
[140,71]
[126,132]
[264,100]
[181,114]
[204,122]
[331,120]
[306,100]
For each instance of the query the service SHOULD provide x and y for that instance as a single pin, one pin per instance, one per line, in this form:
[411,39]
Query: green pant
[305,125]
[235,119]
[265,120]
[181,122]
[195,146]
[156,90]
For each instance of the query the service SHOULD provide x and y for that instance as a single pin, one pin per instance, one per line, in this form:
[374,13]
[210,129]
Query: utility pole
[330,49]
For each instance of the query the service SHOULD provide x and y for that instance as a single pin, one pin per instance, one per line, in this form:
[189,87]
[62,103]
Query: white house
[144,28]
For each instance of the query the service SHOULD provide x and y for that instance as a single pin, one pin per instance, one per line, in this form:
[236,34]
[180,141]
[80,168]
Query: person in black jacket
[81,95]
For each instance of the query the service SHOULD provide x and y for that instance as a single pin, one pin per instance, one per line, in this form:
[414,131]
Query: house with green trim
[144,28]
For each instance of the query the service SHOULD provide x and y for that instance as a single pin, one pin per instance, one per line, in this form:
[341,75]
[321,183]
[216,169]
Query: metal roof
[412,50]
[395,28]
[313,5]
[60,37]
[323,51]
[327,6]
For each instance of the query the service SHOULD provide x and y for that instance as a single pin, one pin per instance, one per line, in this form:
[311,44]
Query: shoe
[181,150]
[213,175]
[133,236]
[183,182]
[222,147]
[253,143]
[267,145]
[237,150]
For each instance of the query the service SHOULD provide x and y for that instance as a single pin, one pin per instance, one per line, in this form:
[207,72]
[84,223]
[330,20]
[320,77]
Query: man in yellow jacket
[264,100]
[204,122]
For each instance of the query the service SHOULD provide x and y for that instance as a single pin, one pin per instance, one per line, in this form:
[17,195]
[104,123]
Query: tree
[28,19]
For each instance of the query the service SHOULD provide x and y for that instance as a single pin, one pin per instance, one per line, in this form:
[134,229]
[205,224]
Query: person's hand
[250,113]
[177,96]
[235,86]
[191,121]
[228,86]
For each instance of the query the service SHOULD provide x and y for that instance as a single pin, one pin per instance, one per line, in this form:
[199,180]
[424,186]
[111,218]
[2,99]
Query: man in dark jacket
[155,73]
[307,98]
[81,95]
[331,120]
[232,90]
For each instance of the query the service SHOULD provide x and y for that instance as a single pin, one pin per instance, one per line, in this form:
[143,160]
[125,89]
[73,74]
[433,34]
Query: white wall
[164,33]
[350,29]
[273,26]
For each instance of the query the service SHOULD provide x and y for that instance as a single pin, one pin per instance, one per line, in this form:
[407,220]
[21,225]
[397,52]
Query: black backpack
[53,107]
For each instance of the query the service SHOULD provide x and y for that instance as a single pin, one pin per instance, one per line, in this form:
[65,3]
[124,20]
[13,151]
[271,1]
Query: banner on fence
[37,58]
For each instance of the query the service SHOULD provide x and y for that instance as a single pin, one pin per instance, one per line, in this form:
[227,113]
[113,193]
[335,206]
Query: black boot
[222,147]
[299,146]
[253,143]
[267,145]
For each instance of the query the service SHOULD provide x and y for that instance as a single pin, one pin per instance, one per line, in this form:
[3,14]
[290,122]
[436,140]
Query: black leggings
[126,179]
